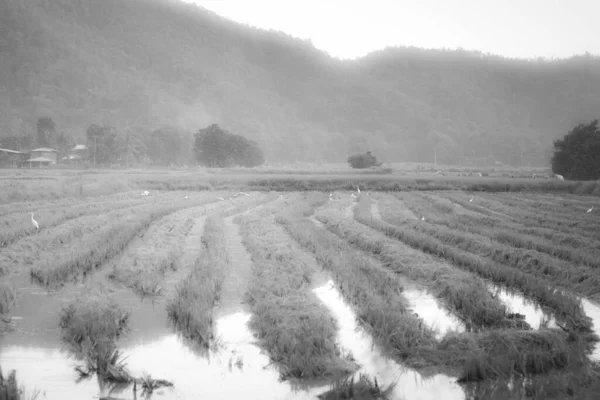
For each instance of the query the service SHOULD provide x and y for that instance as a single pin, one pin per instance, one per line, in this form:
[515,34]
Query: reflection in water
[592,310]
[516,303]
[409,383]
[429,310]
[237,370]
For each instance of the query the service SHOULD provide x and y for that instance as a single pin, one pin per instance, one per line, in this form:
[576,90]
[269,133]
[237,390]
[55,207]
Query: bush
[216,147]
[366,160]
[577,155]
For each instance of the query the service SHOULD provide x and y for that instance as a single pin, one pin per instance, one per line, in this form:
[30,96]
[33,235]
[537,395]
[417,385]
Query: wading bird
[220,198]
[588,211]
[353,195]
[37,226]
[422,218]
[357,189]
[471,199]
[241,193]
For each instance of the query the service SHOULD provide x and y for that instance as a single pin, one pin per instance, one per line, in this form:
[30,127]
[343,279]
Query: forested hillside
[138,65]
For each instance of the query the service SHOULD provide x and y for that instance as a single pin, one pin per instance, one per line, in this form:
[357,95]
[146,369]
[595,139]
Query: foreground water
[409,384]
[234,369]
[592,310]
[430,311]
[533,314]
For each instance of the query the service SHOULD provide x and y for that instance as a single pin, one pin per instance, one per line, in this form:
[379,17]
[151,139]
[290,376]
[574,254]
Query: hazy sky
[352,28]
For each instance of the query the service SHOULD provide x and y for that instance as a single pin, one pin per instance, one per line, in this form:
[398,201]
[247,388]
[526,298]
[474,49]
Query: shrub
[366,160]
[577,155]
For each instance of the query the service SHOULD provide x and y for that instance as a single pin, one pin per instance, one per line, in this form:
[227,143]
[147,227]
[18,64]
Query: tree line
[211,146]
[183,66]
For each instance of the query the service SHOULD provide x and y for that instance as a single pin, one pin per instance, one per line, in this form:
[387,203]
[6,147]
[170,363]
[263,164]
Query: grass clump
[361,389]
[375,292]
[8,299]
[82,258]
[508,353]
[463,251]
[8,387]
[149,384]
[291,323]
[90,327]
[462,293]
[191,310]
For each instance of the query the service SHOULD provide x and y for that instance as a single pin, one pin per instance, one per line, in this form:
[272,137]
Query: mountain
[140,64]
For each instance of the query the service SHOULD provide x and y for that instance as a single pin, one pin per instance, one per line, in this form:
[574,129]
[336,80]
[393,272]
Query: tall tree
[46,129]
[577,155]
[64,143]
[215,147]
[169,145]
[130,147]
[103,143]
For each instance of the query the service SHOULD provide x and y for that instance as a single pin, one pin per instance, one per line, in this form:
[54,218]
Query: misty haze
[205,199]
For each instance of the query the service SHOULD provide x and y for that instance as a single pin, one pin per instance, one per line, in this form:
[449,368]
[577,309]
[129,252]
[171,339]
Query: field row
[270,255]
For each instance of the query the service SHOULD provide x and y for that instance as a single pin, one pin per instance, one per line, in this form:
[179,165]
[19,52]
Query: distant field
[470,289]
[21,185]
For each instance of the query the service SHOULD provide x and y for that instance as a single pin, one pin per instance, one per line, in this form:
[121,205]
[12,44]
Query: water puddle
[428,309]
[529,310]
[235,369]
[409,384]
[238,369]
[592,310]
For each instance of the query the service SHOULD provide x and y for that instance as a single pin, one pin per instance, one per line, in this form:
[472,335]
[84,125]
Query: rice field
[217,292]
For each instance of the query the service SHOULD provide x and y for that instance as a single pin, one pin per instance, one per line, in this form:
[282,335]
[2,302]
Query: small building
[11,158]
[45,152]
[79,148]
[41,157]
[72,159]
[37,162]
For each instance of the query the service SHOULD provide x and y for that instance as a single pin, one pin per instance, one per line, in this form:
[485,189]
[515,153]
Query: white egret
[358,189]
[471,199]
[422,218]
[220,198]
[559,177]
[588,211]
[353,195]
[34,222]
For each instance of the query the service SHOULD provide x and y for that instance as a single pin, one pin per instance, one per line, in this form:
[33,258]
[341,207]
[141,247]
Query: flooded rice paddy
[408,383]
[35,351]
[516,303]
[429,310]
[234,365]
[592,310]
